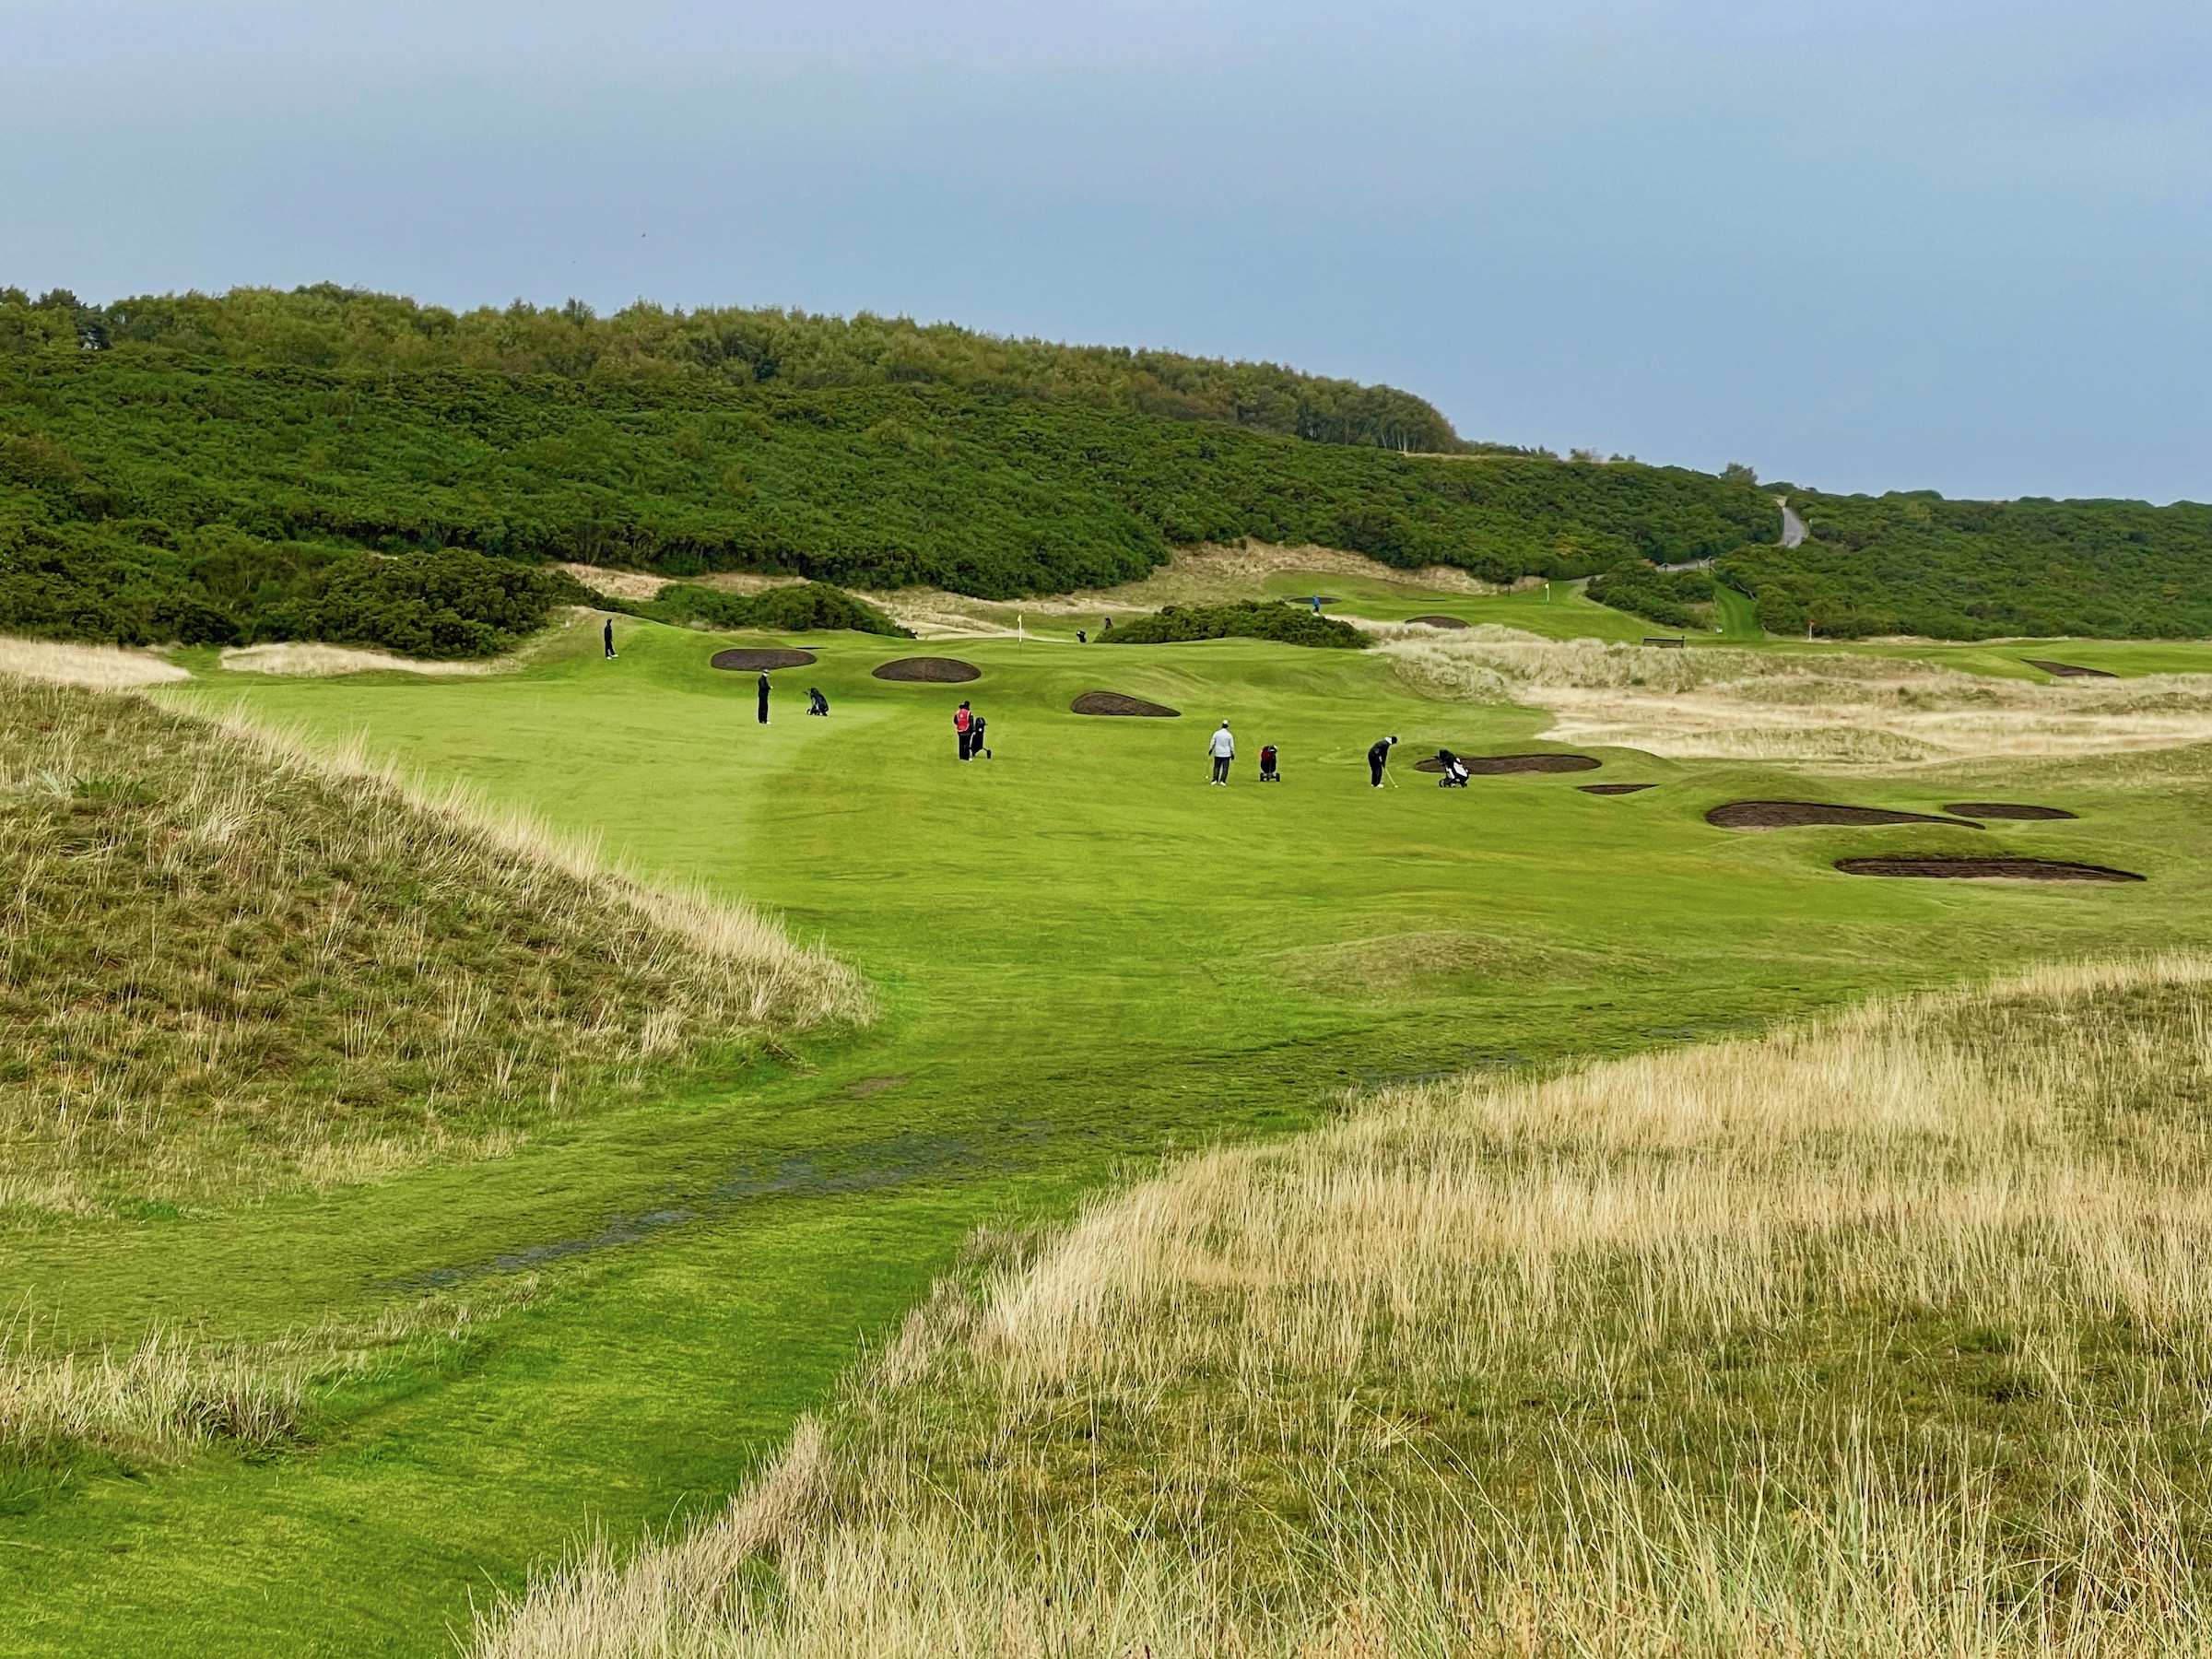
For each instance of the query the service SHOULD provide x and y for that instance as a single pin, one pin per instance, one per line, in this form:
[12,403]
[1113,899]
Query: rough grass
[228,965]
[313,661]
[1832,707]
[1201,575]
[170,1398]
[103,667]
[1885,1335]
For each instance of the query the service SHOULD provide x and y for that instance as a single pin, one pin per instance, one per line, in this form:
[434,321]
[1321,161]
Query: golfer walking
[609,639]
[1377,757]
[963,726]
[1223,748]
[763,697]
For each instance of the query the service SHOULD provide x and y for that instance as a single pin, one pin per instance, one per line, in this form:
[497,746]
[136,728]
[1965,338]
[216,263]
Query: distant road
[1793,527]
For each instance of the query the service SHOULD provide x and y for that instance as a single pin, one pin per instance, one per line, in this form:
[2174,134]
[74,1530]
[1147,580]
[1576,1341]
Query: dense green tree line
[331,327]
[863,487]
[1918,564]
[178,467]
[1260,619]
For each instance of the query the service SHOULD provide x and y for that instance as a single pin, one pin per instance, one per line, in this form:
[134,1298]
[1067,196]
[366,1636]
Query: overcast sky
[1962,244]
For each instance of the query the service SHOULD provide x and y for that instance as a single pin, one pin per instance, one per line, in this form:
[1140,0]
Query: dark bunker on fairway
[929,671]
[748,659]
[1788,815]
[1117,703]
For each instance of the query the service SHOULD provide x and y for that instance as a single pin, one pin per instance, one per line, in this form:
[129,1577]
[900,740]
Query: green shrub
[800,609]
[452,603]
[139,583]
[1661,596]
[1292,625]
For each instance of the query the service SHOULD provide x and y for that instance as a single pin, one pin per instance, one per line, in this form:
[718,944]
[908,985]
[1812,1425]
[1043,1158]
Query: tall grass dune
[1885,1335]
[231,964]
[1832,707]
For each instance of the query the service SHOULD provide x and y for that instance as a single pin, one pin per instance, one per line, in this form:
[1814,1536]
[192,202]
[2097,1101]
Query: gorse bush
[1267,619]
[1661,596]
[139,583]
[798,610]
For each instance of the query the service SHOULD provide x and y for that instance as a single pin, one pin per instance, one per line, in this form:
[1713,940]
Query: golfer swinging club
[1377,757]
[1223,748]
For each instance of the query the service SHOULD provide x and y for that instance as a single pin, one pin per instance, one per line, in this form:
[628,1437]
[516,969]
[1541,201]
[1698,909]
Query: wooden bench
[1668,644]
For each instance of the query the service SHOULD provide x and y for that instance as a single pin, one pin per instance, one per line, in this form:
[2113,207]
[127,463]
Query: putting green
[1085,955]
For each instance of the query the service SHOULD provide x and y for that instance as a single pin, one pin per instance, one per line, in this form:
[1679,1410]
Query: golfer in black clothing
[764,697]
[610,636]
[1376,757]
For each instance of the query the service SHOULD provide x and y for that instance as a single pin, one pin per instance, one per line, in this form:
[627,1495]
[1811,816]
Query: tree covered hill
[149,492]
[331,327]
[212,468]
[1919,564]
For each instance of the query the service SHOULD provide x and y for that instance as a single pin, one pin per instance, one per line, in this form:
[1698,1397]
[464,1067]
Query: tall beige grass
[775,979]
[1887,1335]
[308,659]
[170,1396]
[236,964]
[1202,575]
[99,667]
[1837,707]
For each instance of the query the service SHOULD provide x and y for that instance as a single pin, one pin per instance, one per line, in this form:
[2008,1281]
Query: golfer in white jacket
[1223,748]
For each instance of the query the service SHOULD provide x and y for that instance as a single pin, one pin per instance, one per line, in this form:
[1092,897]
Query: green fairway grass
[1085,955]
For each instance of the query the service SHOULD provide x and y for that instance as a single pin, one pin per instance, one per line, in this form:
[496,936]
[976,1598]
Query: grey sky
[1966,246]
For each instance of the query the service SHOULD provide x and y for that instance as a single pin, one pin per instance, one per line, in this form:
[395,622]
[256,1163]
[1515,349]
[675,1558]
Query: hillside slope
[229,967]
[1918,564]
[213,468]
[1881,1336]
[327,327]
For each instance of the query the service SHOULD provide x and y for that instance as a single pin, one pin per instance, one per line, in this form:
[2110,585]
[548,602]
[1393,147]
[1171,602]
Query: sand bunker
[2006,810]
[1497,766]
[1612,789]
[1441,621]
[1113,702]
[745,660]
[930,671]
[1783,815]
[1985,869]
[2067,670]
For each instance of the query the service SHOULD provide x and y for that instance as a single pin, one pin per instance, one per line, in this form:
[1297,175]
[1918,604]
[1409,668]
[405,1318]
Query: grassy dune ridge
[233,964]
[1885,1334]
